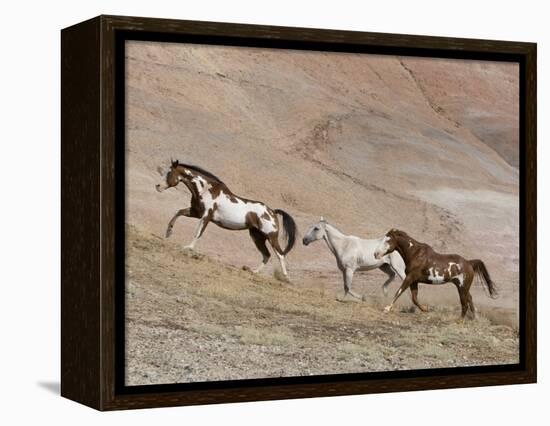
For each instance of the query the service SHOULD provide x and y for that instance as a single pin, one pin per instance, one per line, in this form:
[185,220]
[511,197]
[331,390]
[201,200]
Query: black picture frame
[93,164]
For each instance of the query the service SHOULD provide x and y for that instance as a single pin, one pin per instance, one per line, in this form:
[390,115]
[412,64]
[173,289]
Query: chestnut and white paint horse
[425,265]
[355,254]
[212,201]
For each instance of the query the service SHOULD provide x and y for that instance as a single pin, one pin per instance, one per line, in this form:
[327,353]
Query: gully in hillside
[212,201]
[424,265]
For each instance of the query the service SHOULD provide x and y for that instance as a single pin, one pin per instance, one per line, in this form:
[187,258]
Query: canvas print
[298,213]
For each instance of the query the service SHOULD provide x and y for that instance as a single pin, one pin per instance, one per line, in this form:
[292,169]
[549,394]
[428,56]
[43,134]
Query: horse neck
[334,238]
[194,187]
[403,248]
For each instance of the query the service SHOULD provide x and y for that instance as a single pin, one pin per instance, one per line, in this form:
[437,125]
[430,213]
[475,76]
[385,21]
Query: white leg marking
[198,231]
[262,265]
[282,262]
[259,268]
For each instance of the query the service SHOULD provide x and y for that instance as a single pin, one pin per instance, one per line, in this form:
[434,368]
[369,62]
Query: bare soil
[191,318]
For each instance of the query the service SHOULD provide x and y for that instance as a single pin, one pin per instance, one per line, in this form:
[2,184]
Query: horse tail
[481,271]
[289,227]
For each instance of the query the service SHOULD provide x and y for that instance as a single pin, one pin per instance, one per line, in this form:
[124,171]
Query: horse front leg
[348,280]
[404,286]
[182,212]
[414,295]
[203,222]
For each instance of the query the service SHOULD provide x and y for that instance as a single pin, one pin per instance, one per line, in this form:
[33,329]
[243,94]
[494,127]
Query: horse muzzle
[305,242]
[160,188]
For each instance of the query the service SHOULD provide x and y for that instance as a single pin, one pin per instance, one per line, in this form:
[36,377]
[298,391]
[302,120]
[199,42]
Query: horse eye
[316,228]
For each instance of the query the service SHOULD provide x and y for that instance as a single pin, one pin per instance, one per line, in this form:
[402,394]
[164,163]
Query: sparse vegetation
[191,318]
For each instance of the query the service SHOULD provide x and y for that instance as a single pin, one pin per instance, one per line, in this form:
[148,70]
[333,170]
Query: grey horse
[355,254]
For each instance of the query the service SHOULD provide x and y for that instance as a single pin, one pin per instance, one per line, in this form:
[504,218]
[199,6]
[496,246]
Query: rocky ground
[192,318]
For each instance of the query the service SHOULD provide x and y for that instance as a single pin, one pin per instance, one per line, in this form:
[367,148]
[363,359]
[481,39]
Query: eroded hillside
[369,142]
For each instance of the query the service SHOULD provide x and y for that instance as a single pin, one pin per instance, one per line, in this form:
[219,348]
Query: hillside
[370,142]
[191,318]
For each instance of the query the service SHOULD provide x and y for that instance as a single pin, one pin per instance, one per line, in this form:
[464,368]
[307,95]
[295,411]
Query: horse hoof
[168,232]
[247,269]
[424,308]
[388,308]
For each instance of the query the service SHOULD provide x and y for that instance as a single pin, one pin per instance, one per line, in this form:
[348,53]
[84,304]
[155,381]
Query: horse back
[426,257]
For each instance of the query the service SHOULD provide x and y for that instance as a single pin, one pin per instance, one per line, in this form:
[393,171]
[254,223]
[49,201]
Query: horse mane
[201,171]
[403,234]
[399,233]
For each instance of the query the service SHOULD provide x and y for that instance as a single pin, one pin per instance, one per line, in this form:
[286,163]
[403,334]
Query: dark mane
[202,172]
[402,234]
[395,232]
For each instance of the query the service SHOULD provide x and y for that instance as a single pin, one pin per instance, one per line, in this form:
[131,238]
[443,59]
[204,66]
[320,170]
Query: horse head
[315,232]
[172,176]
[387,244]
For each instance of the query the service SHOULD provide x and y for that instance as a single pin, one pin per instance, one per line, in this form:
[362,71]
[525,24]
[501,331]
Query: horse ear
[175,163]
[322,219]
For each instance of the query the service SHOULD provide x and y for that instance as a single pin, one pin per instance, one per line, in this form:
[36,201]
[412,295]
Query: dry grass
[191,318]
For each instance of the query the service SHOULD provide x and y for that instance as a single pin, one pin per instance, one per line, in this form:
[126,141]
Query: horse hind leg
[387,269]
[467,284]
[259,240]
[464,304]
[463,298]
[282,263]
[463,287]
[273,240]
[471,305]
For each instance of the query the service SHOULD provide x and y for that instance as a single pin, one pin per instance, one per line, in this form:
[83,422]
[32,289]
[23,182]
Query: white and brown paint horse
[212,201]
[355,254]
[425,265]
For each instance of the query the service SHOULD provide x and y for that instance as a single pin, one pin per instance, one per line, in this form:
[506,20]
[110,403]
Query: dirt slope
[190,318]
[369,142]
